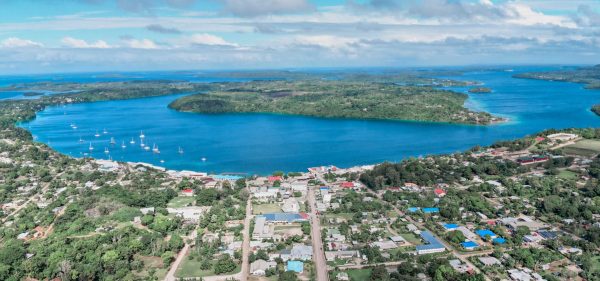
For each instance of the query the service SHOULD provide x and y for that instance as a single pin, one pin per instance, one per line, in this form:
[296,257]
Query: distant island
[32,94]
[480,90]
[590,76]
[337,99]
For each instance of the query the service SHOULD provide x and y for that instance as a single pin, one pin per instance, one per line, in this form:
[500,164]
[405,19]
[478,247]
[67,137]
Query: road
[317,243]
[180,256]
[246,242]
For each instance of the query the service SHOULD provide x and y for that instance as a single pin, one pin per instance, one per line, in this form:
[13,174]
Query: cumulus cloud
[586,16]
[82,44]
[162,29]
[14,42]
[140,43]
[208,40]
[254,8]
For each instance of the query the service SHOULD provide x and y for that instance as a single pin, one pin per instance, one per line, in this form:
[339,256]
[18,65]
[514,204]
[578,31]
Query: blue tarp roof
[432,242]
[431,210]
[485,232]
[499,240]
[469,244]
[289,217]
[450,225]
[413,209]
[296,266]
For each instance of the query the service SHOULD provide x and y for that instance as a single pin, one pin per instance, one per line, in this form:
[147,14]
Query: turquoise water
[263,143]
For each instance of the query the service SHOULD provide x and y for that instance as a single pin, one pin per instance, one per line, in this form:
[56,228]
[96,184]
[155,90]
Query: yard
[181,201]
[259,209]
[359,274]
[587,148]
[191,268]
[565,174]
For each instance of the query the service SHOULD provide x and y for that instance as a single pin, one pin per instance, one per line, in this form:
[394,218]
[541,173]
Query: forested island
[590,76]
[337,99]
[480,90]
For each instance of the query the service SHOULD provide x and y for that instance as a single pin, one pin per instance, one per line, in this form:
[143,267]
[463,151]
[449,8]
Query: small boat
[203,159]
[105,132]
[97,134]
[112,141]
[74,127]
[162,161]
[142,145]
[91,147]
[132,141]
[142,135]
[155,149]
[80,140]
[106,150]
[123,144]
[147,148]
[180,150]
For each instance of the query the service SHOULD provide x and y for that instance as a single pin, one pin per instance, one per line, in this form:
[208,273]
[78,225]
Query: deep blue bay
[263,143]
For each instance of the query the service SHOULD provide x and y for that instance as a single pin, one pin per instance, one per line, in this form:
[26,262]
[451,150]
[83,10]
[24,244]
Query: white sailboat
[155,149]
[142,135]
[97,134]
[106,150]
[203,159]
[105,132]
[112,141]
[80,140]
[180,150]
[132,141]
[142,145]
[147,148]
[123,144]
[91,147]
[162,161]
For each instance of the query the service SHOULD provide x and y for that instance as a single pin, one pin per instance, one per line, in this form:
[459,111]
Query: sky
[46,36]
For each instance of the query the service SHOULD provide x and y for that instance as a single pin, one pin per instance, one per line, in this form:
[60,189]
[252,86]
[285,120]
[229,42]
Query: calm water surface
[262,143]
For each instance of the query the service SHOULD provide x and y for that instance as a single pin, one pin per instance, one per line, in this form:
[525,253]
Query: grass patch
[181,201]
[411,238]
[265,209]
[565,174]
[359,274]
[587,148]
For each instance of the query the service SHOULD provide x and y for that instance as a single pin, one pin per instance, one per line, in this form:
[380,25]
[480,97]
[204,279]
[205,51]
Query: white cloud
[14,42]
[82,44]
[141,44]
[208,40]
[253,8]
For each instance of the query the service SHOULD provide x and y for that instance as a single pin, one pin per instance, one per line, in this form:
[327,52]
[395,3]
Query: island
[32,94]
[590,76]
[480,90]
[337,99]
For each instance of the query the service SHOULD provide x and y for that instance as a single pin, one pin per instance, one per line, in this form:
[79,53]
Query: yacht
[80,140]
[162,161]
[155,149]
[142,145]
[97,134]
[91,147]
[105,132]
[180,150]
[203,159]
[147,148]
[106,150]
[142,135]
[123,144]
[132,141]
[112,141]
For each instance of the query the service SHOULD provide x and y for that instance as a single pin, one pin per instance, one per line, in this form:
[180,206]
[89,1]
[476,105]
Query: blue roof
[413,209]
[499,240]
[288,217]
[485,232]
[469,244]
[548,234]
[227,177]
[431,210]
[296,266]
[432,242]
[324,188]
[450,226]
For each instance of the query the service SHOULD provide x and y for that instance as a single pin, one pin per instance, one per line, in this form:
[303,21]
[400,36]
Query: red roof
[347,184]
[188,190]
[491,222]
[439,191]
[304,215]
[539,139]
[274,178]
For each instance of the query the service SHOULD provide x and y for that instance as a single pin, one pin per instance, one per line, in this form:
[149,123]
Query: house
[486,233]
[298,252]
[273,179]
[347,185]
[261,229]
[187,192]
[285,217]
[290,205]
[295,266]
[431,210]
[333,255]
[469,245]
[398,240]
[514,223]
[384,245]
[191,214]
[489,261]
[459,266]
[342,276]
[439,192]
[259,267]
[432,246]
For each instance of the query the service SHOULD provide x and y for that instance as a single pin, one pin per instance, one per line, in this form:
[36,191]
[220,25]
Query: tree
[287,276]
[379,273]
[224,264]
[207,196]
[167,257]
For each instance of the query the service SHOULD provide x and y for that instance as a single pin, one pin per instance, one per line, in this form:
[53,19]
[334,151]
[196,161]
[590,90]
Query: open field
[191,268]
[584,148]
[181,201]
[567,174]
[260,209]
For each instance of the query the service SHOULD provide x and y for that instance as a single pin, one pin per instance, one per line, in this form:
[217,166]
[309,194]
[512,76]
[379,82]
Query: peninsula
[337,99]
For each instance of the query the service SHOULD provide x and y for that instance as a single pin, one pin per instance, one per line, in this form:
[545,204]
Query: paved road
[318,253]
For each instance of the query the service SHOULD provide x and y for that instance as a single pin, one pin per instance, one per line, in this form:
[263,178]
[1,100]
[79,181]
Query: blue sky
[122,35]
